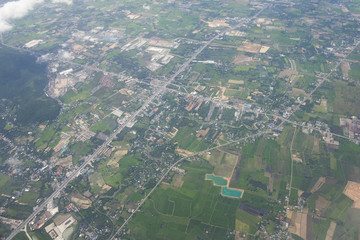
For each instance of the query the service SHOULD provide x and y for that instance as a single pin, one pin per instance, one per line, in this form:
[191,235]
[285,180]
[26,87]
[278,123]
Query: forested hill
[22,82]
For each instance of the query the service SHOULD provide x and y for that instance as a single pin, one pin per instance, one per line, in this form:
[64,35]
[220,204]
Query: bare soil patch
[318,184]
[298,223]
[322,204]
[250,47]
[352,190]
[241,59]
[177,181]
[330,231]
[345,67]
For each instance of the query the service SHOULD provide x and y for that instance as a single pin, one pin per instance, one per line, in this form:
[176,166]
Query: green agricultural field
[250,160]
[333,163]
[320,227]
[293,197]
[9,184]
[29,198]
[354,56]
[105,125]
[129,160]
[243,68]
[71,97]
[113,180]
[245,222]
[79,149]
[338,209]
[20,236]
[283,38]
[171,212]
[255,157]
[349,230]
[304,82]
[223,163]
[39,235]
[18,211]
[331,190]
[182,134]
[45,136]
[286,136]
[355,71]
[187,141]
[241,94]
[349,152]
[4,183]
[113,176]
[96,182]
[5,230]
[197,229]
[346,99]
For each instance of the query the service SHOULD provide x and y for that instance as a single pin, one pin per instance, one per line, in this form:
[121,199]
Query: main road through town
[101,148]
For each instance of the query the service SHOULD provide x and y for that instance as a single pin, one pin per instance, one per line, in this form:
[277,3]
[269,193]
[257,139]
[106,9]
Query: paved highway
[64,184]
[195,154]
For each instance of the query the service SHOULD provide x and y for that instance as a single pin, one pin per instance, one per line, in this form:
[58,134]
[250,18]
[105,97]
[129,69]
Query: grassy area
[349,152]
[71,96]
[113,180]
[255,158]
[355,71]
[185,212]
[293,197]
[4,183]
[29,198]
[113,176]
[346,99]
[8,127]
[45,136]
[320,227]
[241,94]
[243,68]
[349,230]
[96,182]
[80,148]
[18,211]
[39,235]
[5,230]
[20,236]
[245,222]
[331,191]
[305,82]
[223,163]
[188,141]
[105,125]
[338,208]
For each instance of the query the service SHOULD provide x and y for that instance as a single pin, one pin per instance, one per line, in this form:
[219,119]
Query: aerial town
[202,119]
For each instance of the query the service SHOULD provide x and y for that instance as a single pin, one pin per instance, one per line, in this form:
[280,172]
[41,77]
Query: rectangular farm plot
[223,163]
[352,191]
[240,82]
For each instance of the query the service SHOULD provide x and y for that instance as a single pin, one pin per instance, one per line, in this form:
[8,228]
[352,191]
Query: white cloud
[14,10]
[18,9]
[68,2]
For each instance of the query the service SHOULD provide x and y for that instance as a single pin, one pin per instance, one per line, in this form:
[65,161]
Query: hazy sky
[18,9]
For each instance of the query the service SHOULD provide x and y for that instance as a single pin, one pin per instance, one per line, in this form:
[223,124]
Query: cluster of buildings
[351,128]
